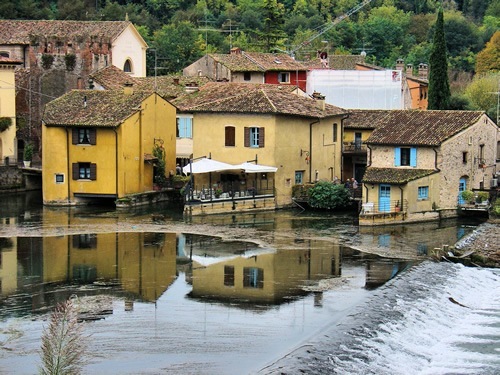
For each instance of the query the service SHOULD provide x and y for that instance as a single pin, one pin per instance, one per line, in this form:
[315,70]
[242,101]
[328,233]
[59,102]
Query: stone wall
[11,179]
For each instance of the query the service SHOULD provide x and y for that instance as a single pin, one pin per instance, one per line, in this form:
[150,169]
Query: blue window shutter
[413,157]
[397,157]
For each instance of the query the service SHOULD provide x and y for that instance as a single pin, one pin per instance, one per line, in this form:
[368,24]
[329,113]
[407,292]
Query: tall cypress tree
[439,86]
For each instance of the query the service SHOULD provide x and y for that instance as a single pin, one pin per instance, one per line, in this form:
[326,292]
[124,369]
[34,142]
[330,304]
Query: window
[335,129]
[127,67]
[405,156]
[284,77]
[59,178]
[253,277]
[84,136]
[464,157]
[299,177]
[423,192]
[184,127]
[84,171]
[4,54]
[230,133]
[254,137]
[85,241]
[229,275]
[247,76]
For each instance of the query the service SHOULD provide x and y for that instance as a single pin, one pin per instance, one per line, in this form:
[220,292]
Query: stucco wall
[8,146]
[129,45]
[385,157]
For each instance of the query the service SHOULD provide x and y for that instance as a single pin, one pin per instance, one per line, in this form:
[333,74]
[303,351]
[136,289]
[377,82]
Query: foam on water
[434,319]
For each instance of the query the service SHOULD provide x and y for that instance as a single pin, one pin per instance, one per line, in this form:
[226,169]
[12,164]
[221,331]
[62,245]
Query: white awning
[206,165]
[255,168]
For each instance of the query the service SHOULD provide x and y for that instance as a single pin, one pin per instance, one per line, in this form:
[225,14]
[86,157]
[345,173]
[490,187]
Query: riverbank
[484,242]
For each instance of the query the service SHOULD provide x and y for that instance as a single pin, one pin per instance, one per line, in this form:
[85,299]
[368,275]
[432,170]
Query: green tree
[488,60]
[439,86]
[274,18]
[176,46]
[325,194]
[482,93]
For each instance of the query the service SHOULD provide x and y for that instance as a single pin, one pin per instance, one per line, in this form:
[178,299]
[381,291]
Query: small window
[284,77]
[464,157]
[299,177]
[85,241]
[405,156]
[247,76]
[184,127]
[84,171]
[4,54]
[253,277]
[229,275]
[127,67]
[59,178]
[230,136]
[84,136]
[254,137]
[335,130]
[423,192]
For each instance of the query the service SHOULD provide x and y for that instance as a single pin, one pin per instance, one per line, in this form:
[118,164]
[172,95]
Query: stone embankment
[485,244]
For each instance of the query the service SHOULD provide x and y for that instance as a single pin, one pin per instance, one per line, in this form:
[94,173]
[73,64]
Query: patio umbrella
[255,168]
[206,165]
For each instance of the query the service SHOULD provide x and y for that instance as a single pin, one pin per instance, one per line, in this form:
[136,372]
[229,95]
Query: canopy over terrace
[231,180]
[206,165]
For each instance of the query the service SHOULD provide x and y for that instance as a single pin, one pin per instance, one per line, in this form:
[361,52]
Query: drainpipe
[310,148]
[342,145]
[67,163]
[116,162]
[370,161]
[435,160]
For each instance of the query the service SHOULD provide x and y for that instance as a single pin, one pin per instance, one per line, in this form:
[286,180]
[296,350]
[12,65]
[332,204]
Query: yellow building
[270,124]
[7,110]
[99,144]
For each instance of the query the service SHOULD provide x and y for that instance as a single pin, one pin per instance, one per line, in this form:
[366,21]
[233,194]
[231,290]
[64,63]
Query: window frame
[423,193]
[285,75]
[406,159]
[184,127]
[88,139]
[247,76]
[299,180]
[89,171]
[229,136]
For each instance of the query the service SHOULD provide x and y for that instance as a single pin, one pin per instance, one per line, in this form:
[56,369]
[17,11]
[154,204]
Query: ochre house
[8,144]
[419,162]
[99,144]
[271,125]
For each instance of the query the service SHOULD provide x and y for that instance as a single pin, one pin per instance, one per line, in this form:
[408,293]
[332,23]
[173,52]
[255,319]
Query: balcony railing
[381,208]
[354,147]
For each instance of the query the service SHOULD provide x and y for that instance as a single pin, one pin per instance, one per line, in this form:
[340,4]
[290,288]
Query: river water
[287,292]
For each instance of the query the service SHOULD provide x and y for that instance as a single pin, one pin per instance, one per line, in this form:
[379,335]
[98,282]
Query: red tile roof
[25,32]
[275,61]
[365,118]
[231,97]
[108,108]
[421,128]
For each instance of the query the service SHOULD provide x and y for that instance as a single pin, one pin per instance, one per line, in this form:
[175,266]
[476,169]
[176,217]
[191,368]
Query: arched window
[127,67]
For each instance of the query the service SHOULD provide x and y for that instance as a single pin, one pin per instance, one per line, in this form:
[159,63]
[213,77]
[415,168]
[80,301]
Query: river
[283,292]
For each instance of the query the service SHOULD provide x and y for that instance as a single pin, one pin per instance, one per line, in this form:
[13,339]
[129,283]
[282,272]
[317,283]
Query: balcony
[354,148]
[382,208]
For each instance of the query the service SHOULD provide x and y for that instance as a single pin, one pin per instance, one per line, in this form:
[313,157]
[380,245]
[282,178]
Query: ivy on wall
[5,123]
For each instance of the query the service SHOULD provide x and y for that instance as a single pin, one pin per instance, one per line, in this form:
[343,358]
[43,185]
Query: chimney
[128,88]
[409,69]
[176,81]
[191,87]
[400,65]
[422,71]
[235,51]
[320,100]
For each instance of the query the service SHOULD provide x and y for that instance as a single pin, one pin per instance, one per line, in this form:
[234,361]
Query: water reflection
[38,272]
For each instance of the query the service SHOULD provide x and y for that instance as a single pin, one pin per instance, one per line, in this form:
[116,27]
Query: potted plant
[28,154]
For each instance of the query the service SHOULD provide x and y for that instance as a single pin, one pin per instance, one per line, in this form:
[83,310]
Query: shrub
[70,60]
[28,152]
[327,195]
[468,196]
[483,196]
[47,60]
[5,123]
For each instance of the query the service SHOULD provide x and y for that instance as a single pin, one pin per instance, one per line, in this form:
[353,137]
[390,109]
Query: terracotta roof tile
[169,86]
[237,62]
[24,31]
[253,98]
[108,108]
[274,61]
[421,128]
[337,62]
[365,119]
[394,175]
[8,60]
